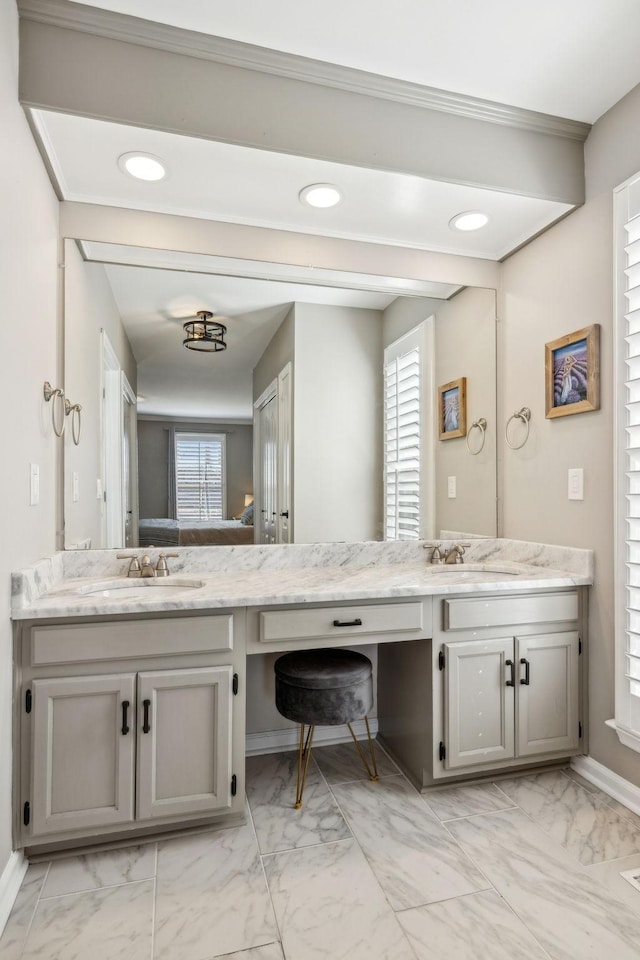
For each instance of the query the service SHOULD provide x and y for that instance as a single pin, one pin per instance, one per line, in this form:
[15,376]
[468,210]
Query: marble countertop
[337,583]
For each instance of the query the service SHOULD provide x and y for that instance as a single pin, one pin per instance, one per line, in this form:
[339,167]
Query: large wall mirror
[175,443]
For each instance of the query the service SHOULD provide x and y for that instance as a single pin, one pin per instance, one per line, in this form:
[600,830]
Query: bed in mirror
[284,434]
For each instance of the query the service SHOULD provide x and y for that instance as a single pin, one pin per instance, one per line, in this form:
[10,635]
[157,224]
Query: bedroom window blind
[200,476]
[402,438]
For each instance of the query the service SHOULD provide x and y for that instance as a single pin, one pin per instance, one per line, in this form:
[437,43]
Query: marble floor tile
[271,790]
[410,852]
[211,896]
[107,924]
[329,905]
[480,926]
[581,821]
[272,951]
[466,800]
[341,762]
[105,869]
[620,808]
[17,927]
[571,914]
[509,848]
[608,874]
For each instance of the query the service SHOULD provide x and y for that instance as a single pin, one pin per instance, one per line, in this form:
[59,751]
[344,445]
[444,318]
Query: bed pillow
[247,515]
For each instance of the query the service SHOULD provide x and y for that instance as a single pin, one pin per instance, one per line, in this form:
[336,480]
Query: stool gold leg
[373,769]
[304,755]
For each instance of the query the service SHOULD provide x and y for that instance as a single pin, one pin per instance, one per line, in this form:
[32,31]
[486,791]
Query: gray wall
[279,352]
[153,472]
[562,282]
[28,357]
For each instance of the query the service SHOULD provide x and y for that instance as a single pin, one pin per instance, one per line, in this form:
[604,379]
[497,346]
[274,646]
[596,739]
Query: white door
[184,741]
[267,464]
[112,447]
[547,693]
[479,701]
[83,737]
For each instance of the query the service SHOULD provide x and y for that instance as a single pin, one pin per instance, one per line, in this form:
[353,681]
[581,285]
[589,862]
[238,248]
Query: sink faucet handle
[162,569]
[134,567]
[436,554]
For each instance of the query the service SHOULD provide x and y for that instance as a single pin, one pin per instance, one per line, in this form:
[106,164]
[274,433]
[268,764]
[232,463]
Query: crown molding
[248,56]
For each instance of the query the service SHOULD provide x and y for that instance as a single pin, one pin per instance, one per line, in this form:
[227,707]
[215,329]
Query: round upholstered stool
[324,687]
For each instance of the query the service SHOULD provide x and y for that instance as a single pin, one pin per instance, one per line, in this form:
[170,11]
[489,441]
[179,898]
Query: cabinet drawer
[86,642]
[337,623]
[503,611]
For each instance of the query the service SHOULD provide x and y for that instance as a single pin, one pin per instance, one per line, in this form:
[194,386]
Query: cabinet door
[479,702]
[82,752]
[184,741]
[547,693]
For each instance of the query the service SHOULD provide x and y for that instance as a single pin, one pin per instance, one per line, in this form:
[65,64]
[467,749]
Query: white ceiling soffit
[221,181]
[154,303]
[574,58]
[111,253]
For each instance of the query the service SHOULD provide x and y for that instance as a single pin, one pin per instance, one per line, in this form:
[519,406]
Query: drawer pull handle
[145,720]
[348,623]
[526,681]
[512,682]
[125,725]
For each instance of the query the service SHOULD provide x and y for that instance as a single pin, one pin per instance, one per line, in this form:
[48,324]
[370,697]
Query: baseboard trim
[10,880]
[278,741]
[601,776]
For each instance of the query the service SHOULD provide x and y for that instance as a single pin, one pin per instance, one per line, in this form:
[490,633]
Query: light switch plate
[98,489]
[34,498]
[75,487]
[451,488]
[575,489]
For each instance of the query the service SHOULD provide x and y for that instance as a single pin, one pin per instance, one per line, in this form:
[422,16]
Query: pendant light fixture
[205,334]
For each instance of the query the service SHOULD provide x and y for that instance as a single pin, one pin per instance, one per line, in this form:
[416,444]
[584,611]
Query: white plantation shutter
[200,476]
[627,577]
[402,438]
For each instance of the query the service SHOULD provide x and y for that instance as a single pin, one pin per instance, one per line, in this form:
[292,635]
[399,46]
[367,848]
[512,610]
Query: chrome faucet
[456,553]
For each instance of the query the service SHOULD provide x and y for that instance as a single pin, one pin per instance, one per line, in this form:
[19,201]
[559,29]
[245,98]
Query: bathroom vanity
[130,699]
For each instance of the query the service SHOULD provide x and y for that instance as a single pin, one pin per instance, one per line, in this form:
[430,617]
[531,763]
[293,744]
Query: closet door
[284,505]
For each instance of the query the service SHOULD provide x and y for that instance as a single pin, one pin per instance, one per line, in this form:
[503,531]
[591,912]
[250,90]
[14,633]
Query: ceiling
[568,58]
[154,302]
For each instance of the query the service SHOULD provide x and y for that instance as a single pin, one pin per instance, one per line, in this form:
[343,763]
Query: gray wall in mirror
[465,343]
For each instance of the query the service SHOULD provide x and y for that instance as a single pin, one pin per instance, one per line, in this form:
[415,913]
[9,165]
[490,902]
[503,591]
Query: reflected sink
[128,589]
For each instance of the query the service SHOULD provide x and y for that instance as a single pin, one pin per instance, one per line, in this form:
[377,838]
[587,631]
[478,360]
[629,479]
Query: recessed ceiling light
[471,220]
[142,166]
[320,195]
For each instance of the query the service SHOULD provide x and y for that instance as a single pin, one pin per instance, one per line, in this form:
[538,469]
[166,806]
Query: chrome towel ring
[524,415]
[480,425]
[55,393]
[74,409]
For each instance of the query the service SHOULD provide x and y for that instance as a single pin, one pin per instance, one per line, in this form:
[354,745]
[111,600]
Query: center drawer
[341,623]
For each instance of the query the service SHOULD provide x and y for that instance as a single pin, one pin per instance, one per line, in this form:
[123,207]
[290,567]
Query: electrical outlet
[451,488]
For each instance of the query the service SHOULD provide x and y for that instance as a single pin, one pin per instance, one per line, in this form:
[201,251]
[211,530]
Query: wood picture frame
[572,373]
[452,409]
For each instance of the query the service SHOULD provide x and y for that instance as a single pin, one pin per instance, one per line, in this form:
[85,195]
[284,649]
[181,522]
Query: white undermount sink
[129,589]
[473,571]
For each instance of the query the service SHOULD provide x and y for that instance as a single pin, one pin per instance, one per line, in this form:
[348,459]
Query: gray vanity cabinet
[127,726]
[83,767]
[510,697]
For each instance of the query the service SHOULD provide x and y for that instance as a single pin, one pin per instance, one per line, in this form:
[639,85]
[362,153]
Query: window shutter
[402,442]
[200,476]
[632,449]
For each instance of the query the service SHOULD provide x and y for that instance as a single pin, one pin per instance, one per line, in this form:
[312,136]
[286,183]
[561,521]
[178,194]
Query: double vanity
[130,694]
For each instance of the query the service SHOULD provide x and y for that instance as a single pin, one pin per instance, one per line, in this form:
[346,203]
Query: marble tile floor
[524,868]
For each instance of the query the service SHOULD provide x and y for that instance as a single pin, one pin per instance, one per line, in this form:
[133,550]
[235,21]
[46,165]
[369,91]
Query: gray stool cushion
[324,687]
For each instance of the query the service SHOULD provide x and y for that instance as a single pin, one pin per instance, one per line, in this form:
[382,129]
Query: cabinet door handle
[512,682]
[348,623]
[145,720]
[526,681]
[125,725]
